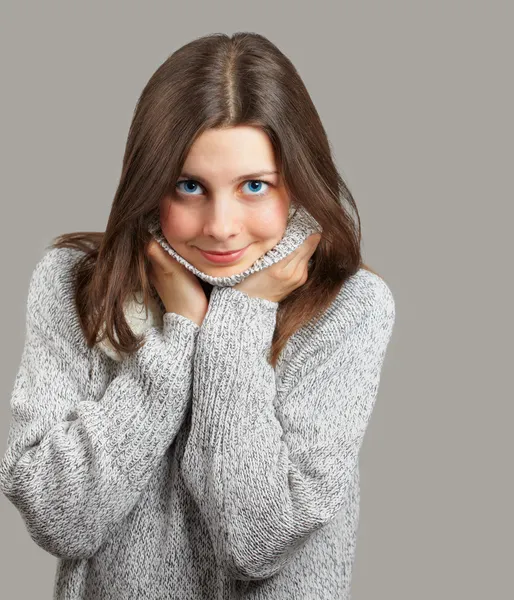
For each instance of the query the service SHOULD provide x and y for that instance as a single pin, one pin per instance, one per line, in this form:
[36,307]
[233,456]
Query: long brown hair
[216,81]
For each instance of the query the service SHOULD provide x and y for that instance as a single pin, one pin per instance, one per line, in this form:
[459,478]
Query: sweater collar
[300,226]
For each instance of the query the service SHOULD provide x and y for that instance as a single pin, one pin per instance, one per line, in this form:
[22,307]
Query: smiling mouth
[222,253]
[225,257]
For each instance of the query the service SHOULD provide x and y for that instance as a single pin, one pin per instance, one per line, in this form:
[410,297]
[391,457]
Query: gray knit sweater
[192,469]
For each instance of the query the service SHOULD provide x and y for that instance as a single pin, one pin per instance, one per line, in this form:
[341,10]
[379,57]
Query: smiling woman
[160,453]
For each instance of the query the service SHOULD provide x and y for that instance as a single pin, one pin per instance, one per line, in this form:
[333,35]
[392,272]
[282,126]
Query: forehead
[220,155]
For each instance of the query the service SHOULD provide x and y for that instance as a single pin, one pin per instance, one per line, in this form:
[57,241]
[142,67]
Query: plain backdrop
[417,100]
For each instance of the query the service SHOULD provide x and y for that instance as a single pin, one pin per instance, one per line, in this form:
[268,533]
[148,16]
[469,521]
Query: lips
[227,252]
[223,258]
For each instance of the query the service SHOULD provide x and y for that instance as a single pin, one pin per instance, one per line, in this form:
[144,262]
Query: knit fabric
[192,469]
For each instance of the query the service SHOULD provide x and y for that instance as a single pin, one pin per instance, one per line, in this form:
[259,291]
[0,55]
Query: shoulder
[358,323]
[56,261]
[52,277]
[365,303]
[364,295]
[51,295]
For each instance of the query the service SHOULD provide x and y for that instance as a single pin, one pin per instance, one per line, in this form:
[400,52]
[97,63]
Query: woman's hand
[178,288]
[278,281]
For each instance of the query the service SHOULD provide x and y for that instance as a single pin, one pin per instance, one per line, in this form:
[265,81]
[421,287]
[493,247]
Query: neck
[207,287]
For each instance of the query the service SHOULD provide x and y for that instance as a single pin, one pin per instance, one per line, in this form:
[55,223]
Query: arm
[75,466]
[267,474]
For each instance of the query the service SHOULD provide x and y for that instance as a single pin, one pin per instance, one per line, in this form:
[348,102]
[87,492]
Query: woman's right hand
[179,289]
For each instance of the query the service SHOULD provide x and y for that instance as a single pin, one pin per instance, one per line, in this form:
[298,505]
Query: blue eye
[191,183]
[258,182]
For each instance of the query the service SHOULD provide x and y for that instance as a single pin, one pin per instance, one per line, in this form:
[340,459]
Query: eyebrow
[235,180]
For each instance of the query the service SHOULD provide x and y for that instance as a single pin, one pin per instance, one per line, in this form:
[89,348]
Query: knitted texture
[192,469]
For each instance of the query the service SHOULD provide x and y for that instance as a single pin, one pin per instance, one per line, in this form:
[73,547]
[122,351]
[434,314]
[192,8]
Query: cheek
[176,223]
[271,221]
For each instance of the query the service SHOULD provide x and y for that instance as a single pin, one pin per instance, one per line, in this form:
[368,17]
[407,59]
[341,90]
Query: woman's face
[221,201]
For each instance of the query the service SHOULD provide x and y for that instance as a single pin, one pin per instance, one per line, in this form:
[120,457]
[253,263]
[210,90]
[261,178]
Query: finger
[152,248]
[313,240]
[159,257]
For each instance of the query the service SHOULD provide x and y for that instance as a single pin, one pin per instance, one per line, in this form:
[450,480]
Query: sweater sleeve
[75,466]
[265,472]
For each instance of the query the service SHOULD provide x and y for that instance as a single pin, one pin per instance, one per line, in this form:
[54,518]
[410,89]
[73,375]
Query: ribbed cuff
[233,378]
[230,309]
[145,403]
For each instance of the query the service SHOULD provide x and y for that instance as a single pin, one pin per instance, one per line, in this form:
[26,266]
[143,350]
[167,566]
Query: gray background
[417,100]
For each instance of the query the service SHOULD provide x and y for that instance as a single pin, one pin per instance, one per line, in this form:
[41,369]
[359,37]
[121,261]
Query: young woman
[187,425]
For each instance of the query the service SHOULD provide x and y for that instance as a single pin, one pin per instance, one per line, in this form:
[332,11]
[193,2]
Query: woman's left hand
[278,281]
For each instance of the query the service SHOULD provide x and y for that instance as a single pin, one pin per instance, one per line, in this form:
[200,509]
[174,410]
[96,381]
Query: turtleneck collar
[300,226]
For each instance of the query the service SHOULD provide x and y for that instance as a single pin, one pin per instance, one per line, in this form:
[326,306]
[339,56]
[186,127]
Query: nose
[222,219]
